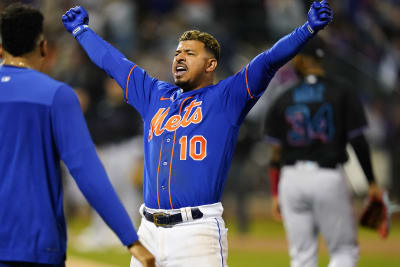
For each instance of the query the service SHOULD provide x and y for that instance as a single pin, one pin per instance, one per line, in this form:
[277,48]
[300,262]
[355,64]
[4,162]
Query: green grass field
[264,245]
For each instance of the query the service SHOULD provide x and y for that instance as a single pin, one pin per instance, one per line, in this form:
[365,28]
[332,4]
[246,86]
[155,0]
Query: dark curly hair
[20,27]
[207,39]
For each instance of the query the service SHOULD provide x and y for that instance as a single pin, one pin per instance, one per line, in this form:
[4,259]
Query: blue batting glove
[76,20]
[319,15]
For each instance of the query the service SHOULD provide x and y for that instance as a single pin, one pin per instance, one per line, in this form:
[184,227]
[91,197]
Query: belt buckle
[155,218]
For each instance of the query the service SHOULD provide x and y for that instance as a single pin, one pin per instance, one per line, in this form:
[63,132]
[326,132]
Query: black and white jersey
[314,120]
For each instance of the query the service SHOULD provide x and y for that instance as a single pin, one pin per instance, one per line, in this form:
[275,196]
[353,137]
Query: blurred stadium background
[363,51]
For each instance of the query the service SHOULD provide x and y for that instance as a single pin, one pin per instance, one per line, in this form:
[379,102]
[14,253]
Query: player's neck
[27,61]
[196,88]
[17,63]
[204,83]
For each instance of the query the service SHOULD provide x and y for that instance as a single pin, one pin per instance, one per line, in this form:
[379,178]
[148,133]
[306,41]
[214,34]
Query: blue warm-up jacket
[41,123]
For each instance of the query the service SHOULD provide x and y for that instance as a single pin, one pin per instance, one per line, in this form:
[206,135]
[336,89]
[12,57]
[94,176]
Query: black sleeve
[272,126]
[361,148]
[355,116]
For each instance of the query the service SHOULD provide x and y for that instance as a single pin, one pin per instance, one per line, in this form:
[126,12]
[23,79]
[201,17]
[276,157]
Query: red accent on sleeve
[273,173]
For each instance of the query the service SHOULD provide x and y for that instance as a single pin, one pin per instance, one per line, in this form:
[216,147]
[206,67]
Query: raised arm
[252,80]
[101,53]
[135,82]
[262,68]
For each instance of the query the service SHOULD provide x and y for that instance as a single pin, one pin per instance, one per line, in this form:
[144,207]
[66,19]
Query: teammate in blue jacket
[190,130]
[41,123]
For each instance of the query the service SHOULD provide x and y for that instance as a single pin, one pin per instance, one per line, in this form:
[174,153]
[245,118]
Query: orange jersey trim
[164,98]
[247,84]
[172,155]
[127,82]
[169,178]
[158,170]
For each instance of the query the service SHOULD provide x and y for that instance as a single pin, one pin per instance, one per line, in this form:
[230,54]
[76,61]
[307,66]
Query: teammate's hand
[75,20]
[319,15]
[276,209]
[142,254]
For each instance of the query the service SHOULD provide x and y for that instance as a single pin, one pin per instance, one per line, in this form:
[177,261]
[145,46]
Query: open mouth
[180,70]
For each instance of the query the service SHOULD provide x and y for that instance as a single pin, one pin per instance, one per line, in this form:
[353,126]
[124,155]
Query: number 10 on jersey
[196,147]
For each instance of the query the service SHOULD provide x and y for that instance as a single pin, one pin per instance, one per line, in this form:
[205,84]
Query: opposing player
[190,133]
[310,126]
[40,123]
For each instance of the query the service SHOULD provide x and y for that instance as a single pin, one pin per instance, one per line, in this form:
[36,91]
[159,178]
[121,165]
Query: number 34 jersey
[314,120]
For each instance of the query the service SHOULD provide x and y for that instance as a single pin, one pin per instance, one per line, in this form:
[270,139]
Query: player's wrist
[132,244]
[79,30]
[309,29]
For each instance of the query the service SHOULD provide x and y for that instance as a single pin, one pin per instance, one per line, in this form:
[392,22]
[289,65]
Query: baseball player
[309,126]
[190,130]
[41,123]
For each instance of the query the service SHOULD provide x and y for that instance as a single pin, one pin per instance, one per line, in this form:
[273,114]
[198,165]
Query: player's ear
[43,48]
[211,65]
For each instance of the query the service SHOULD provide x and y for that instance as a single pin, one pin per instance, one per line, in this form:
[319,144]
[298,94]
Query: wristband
[307,27]
[310,29]
[80,29]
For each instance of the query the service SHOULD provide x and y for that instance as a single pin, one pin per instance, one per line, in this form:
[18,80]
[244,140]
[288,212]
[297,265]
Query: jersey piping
[172,154]
[127,83]
[158,170]
[247,84]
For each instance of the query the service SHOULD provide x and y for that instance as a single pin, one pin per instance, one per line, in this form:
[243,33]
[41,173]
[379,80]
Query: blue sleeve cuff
[80,29]
[308,30]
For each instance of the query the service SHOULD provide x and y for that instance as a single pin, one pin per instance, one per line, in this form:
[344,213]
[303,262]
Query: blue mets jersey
[189,137]
[41,123]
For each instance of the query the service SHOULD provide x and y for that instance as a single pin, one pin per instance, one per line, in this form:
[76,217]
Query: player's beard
[184,85]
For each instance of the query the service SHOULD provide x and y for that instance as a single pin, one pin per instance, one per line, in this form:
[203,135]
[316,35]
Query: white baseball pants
[198,243]
[317,200]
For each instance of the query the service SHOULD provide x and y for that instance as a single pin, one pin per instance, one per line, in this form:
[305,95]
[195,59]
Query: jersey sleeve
[77,150]
[355,118]
[136,84]
[242,90]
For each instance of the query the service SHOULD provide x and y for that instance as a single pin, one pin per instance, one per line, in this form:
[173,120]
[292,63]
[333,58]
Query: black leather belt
[164,219]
